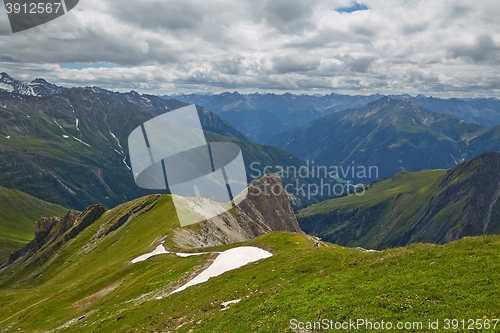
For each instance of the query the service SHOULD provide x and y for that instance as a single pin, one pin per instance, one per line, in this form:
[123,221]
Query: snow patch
[369,250]
[125,162]
[8,137]
[160,249]
[117,141]
[227,261]
[67,188]
[124,158]
[82,142]
[185,255]
[6,87]
[65,136]
[225,305]
[58,124]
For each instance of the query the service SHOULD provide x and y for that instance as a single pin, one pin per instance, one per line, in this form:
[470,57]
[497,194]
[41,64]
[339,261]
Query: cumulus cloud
[172,46]
[484,49]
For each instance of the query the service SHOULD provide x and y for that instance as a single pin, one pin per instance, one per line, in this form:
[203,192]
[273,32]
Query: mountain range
[390,135]
[37,87]
[296,110]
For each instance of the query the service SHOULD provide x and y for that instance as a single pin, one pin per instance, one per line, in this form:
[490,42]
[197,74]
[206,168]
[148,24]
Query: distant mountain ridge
[261,116]
[157,106]
[296,110]
[482,111]
[393,135]
[292,110]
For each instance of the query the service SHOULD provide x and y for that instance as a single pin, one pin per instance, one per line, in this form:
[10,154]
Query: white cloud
[438,48]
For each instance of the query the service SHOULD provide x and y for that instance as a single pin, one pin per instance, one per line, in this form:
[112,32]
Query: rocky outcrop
[265,209]
[49,230]
[86,219]
[44,226]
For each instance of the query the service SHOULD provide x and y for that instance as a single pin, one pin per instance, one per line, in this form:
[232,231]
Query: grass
[89,285]
[426,206]
[403,182]
[19,212]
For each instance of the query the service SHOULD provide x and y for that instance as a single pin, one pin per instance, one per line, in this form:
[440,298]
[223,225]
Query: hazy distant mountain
[393,135]
[258,124]
[261,116]
[436,206]
[482,111]
[296,110]
[157,106]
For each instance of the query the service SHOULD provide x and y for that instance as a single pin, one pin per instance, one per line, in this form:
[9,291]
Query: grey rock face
[265,209]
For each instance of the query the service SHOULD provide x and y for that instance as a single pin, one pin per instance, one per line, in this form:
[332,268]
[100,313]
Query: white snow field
[226,261]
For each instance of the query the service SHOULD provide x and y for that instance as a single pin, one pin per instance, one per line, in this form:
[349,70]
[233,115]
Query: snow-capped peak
[37,87]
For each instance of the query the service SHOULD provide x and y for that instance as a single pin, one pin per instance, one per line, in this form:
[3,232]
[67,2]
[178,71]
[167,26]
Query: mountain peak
[4,77]
[40,80]
[37,87]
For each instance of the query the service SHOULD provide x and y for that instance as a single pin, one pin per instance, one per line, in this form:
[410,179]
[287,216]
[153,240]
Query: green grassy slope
[377,219]
[403,182]
[19,211]
[98,290]
[435,206]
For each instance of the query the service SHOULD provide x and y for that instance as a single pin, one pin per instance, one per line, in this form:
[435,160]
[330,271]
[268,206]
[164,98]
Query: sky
[434,47]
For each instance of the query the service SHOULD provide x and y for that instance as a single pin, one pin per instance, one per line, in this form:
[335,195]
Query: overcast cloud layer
[440,48]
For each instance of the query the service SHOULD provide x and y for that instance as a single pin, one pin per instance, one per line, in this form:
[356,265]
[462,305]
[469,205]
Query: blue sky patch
[354,7]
